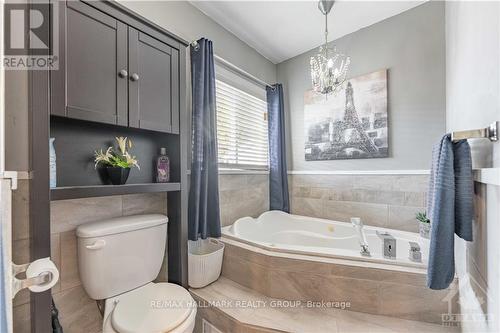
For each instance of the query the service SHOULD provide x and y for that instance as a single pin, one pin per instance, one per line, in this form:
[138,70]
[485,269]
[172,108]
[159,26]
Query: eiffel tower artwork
[350,125]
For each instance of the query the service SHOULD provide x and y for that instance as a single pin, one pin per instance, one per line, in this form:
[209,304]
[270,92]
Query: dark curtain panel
[204,219]
[278,181]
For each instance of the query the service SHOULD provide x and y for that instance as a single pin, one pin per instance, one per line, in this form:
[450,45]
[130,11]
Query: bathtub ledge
[330,260]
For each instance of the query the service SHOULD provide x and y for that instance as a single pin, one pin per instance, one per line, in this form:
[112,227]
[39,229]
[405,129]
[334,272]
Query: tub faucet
[415,253]
[388,245]
[358,225]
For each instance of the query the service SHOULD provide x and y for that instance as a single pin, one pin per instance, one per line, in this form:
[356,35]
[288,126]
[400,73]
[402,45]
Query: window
[241,128]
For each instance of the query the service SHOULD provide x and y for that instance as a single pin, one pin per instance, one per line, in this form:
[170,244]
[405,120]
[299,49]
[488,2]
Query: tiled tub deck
[380,289]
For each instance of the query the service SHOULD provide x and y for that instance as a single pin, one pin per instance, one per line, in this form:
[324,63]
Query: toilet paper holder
[43,279]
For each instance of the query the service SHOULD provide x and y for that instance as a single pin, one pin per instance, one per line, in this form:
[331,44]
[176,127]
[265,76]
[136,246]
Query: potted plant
[424,224]
[117,164]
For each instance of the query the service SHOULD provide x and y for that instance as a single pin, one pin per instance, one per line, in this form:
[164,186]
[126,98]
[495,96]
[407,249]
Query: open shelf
[75,192]
[76,141]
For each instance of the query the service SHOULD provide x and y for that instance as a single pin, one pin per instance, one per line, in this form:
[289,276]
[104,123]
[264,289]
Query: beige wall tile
[383,275]
[66,215]
[323,268]
[260,180]
[368,196]
[295,279]
[250,203]
[347,271]
[403,218]
[248,255]
[230,213]
[416,199]
[69,261]
[380,197]
[252,276]
[242,195]
[413,303]
[411,183]
[374,182]
[245,195]
[340,197]
[362,294]
[296,265]
[307,207]
[232,182]
[145,203]
[310,192]
[77,312]
[370,214]
[336,181]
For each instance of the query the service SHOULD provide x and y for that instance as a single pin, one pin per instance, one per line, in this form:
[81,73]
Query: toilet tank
[120,254]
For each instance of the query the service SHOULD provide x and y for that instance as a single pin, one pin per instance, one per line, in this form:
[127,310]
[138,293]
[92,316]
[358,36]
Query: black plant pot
[117,175]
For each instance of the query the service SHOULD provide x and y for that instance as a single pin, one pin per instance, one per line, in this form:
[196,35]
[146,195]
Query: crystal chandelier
[328,68]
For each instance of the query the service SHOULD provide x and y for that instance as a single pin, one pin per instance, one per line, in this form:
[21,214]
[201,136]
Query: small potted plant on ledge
[424,224]
[117,164]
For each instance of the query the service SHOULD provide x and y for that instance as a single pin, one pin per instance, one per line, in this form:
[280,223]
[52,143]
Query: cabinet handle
[123,74]
[134,77]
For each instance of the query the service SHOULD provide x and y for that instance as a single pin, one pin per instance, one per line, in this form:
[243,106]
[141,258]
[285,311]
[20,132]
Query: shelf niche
[76,141]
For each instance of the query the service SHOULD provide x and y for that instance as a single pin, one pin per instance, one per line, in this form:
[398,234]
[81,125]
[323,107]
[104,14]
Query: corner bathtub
[279,231]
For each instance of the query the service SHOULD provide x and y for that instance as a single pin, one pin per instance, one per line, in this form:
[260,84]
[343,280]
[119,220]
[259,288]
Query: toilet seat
[155,307]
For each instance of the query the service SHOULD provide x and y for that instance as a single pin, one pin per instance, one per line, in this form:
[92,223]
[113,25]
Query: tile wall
[389,201]
[242,195]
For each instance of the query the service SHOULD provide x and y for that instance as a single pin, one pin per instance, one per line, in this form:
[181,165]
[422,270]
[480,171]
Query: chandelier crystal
[328,68]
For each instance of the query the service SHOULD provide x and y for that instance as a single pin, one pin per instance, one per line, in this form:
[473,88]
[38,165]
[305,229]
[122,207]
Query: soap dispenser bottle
[163,167]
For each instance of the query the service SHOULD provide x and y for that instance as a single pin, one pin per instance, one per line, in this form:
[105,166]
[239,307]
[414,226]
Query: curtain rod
[238,69]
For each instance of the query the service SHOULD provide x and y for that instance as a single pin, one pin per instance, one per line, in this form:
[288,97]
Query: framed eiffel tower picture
[349,124]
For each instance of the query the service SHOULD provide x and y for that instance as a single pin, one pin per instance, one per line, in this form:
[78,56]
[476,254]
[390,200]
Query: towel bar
[490,132]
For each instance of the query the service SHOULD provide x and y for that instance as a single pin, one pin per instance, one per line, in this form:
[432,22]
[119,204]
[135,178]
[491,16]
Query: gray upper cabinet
[153,83]
[96,51]
[111,72]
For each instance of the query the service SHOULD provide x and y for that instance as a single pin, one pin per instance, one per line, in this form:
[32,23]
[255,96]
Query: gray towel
[449,206]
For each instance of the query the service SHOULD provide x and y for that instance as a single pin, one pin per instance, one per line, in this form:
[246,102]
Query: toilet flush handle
[99,244]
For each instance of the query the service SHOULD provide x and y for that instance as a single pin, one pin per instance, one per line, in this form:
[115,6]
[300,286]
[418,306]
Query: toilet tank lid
[120,225]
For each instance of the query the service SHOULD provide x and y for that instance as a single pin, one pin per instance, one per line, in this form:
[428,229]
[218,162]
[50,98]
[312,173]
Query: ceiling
[280,30]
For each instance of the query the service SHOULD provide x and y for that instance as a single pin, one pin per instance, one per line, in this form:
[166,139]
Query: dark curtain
[204,218]
[278,181]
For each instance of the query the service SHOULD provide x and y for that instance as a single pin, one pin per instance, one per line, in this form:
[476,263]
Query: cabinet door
[153,84]
[95,53]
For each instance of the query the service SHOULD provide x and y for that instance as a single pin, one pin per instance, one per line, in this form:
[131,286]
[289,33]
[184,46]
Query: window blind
[242,132]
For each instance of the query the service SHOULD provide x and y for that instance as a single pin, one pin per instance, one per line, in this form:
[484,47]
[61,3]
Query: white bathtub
[279,231]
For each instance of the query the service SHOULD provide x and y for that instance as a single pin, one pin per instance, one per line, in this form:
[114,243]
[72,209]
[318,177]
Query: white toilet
[118,258]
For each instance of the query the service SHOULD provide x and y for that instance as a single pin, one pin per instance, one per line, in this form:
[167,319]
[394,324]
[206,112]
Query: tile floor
[268,317]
